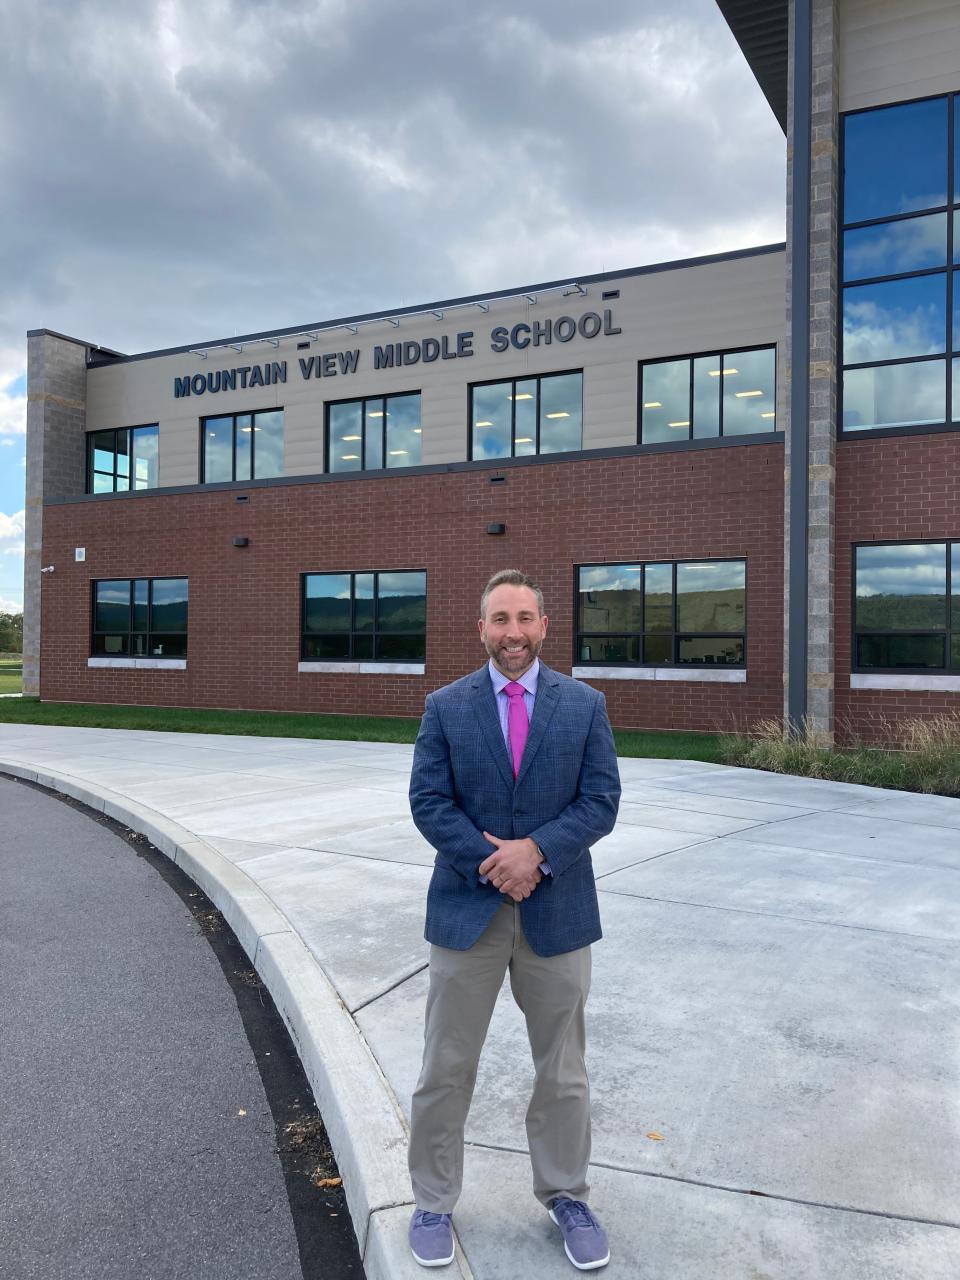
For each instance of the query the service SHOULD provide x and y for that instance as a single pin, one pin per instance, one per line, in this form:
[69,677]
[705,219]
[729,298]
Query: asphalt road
[146,1080]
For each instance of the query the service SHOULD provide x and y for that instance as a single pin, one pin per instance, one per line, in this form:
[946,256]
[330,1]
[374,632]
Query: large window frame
[355,632]
[675,633]
[539,379]
[131,434]
[950,632]
[364,403]
[949,270]
[252,415]
[152,635]
[721,356]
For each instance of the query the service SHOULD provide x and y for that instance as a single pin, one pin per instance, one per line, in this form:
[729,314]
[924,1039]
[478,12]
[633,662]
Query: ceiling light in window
[524,395]
[558,415]
[768,415]
[417,430]
[524,439]
[678,424]
[483,424]
[349,457]
[653,404]
[374,413]
[742,395]
[351,437]
[396,453]
[247,429]
[722,373]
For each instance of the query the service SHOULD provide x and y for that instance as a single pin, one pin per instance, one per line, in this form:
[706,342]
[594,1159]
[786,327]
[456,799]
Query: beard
[513,664]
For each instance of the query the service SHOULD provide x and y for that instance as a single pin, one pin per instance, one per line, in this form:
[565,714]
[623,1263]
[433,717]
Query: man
[514,777]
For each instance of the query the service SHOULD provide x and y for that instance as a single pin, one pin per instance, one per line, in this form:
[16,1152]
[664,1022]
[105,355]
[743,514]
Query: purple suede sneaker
[584,1240]
[431,1238]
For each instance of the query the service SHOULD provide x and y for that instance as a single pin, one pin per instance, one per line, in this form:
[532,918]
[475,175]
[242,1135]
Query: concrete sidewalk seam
[360,1111]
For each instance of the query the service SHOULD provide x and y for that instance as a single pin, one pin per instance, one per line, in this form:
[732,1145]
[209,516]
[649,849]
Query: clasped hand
[514,868]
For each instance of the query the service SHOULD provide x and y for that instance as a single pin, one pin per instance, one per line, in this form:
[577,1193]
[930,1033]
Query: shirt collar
[528,679]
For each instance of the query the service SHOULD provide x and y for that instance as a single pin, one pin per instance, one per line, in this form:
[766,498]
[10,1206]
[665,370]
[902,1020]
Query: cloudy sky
[174,171]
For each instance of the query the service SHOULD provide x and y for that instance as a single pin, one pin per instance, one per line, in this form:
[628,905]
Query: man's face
[513,629]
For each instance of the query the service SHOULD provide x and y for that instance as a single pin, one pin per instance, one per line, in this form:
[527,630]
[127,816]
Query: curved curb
[366,1128]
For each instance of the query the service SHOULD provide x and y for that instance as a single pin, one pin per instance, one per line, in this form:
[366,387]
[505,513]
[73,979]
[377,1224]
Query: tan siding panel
[893,50]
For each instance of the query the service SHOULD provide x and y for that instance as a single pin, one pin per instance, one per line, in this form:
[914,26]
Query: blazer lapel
[548,695]
[485,708]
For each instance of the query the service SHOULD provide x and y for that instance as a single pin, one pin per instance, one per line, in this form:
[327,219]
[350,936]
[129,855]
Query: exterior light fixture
[241,542]
[496,530]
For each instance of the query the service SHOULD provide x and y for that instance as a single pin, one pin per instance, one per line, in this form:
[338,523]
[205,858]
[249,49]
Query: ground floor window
[667,613]
[378,616]
[140,618]
[907,607]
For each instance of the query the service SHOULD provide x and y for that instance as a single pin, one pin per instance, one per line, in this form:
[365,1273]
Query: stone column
[822,356]
[56,420]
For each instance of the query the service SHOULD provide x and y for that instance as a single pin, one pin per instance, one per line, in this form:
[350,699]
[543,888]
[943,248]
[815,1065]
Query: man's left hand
[514,866]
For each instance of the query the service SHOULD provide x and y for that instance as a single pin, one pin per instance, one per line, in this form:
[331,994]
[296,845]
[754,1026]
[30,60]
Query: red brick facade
[889,490]
[245,602]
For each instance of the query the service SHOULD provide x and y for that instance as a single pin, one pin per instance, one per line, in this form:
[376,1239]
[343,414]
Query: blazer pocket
[441,861]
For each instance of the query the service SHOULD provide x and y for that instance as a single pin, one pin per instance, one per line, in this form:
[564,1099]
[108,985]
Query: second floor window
[725,393]
[365,617]
[140,618]
[122,459]
[242,446]
[672,613]
[526,416]
[370,434]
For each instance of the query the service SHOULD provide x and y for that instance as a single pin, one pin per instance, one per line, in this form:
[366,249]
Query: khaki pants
[551,992]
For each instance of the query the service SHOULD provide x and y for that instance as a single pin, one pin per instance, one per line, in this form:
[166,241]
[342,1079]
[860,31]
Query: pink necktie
[518,725]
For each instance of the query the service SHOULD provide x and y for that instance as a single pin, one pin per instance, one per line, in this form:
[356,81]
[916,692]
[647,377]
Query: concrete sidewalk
[773,1024]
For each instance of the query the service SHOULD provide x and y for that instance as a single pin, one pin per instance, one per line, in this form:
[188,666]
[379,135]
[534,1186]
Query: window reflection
[140,617]
[524,416]
[631,613]
[894,395]
[373,433]
[365,616]
[118,460]
[894,319]
[893,248]
[726,393]
[901,588]
[895,160]
[243,446]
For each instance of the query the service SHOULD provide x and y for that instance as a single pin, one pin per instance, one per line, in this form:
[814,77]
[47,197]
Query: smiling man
[514,778]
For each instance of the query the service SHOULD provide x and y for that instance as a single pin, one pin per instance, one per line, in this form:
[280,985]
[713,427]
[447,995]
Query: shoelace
[575,1214]
[432,1219]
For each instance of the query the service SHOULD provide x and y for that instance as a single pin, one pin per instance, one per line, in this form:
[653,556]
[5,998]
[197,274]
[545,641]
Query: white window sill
[141,664]
[365,668]
[934,684]
[707,675]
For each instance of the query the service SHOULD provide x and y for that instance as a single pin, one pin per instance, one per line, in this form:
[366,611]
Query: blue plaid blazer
[565,797]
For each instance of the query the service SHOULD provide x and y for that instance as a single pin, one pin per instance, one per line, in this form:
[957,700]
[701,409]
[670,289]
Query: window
[671,613]
[526,416]
[366,435]
[726,393]
[242,446]
[364,617]
[140,618]
[122,459]
[901,244]
[907,607]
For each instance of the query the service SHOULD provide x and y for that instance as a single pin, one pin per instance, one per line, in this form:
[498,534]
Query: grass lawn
[276,724]
[11,675]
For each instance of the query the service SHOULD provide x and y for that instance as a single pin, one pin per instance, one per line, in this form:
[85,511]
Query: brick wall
[888,490]
[244,603]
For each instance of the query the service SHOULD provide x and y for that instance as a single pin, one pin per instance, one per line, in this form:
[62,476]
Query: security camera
[49,569]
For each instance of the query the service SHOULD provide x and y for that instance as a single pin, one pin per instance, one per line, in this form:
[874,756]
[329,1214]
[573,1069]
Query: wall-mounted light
[49,569]
[495,530]
[241,542]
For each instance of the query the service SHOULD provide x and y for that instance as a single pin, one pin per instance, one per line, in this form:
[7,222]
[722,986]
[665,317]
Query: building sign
[396,355]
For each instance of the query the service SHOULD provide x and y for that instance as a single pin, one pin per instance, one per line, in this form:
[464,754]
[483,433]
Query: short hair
[510,578]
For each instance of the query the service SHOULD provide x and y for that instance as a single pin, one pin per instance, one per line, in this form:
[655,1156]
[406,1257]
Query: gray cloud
[180,171]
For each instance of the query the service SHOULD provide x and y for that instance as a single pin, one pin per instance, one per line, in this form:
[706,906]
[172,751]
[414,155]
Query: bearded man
[514,778]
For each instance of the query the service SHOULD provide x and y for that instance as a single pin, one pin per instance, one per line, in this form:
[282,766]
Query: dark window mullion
[859,281]
[513,418]
[253,447]
[897,217]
